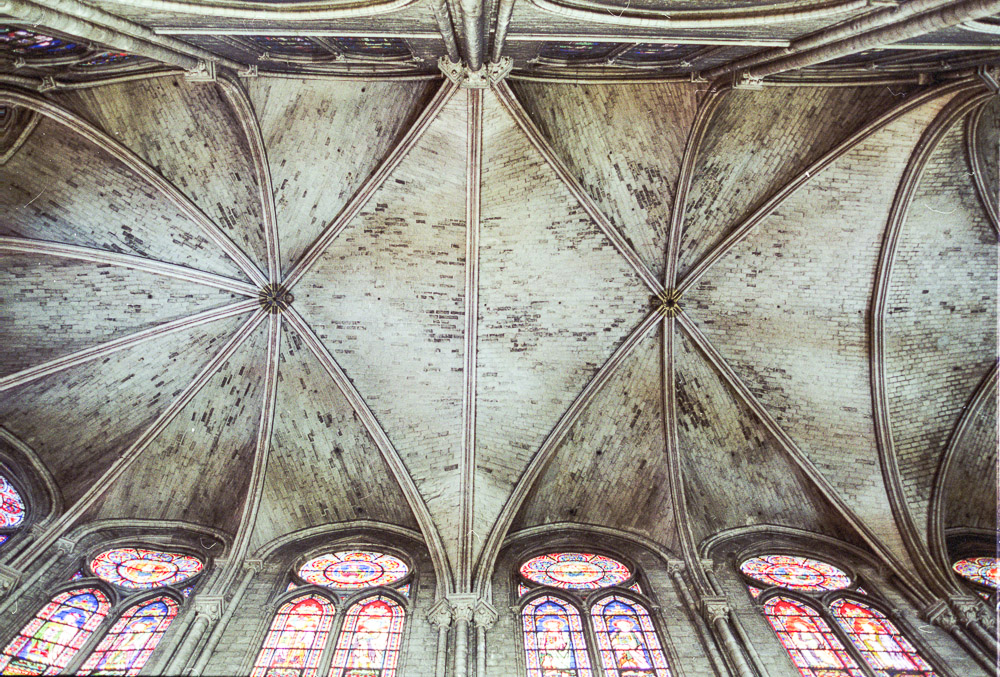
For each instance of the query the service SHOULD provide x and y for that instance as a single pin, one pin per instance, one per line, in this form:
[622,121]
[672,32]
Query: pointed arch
[878,640]
[133,638]
[47,643]
[626,639]
[810,642]
[296,638]
[553,638]
[370,638]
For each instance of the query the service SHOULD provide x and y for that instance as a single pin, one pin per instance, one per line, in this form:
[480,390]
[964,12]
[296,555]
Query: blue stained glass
[554,643]
[570,51]
[25,43]
[627,639]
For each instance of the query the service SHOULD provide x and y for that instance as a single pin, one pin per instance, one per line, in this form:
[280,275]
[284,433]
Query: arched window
[12,510]
[626,639]
[831,639]
[49,641]
[296,638]
[813,648]
[369,639]
[553,639]
[878,640]
[129,643]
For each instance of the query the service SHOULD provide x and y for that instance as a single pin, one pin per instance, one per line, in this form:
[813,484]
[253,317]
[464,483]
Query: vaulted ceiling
[265,304]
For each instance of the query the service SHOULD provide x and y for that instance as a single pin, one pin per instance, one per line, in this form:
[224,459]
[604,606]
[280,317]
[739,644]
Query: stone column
[207,610]
[716,613]
[253,568]
[463,608]
[485,616]
[439,616]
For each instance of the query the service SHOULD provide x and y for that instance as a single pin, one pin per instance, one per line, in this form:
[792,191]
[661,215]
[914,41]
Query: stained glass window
[878,640]
[404,590]
[635,587]
[627,639]
[353,569]
[18,41]
[187,591]
[48,642]
[652,52]
[11,505]
[288,44]
[291,586]
[372,46]
[754,592]
[810,643]
[795,573]
[296,639]
[981,570]
[522,589]
[141,569]
[130,642]
[368,645]
[575,571]
[77,576]
[554,644]
[570,51]
[108,59]
[3,538]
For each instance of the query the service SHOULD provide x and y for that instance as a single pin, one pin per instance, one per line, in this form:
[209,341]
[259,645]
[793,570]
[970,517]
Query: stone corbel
[491,74]
[9,579]
[940,615]
[747,81]
[485,615]
[203,72]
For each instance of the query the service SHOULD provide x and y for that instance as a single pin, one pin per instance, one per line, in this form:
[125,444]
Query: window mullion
[846,641]
[330,646]
[590,638]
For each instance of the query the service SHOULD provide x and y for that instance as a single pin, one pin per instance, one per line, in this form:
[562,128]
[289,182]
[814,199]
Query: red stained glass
[575,571]
[49,641]
[810,643]
[795,573]
[141,569]
[296,639]
[130,642]
[354,569]
[554,644]
[627,639]
[878,640]
[981,570]
[368,645]
[754,592]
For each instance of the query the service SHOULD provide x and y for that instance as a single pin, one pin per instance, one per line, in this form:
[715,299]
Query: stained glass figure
[878,640]
[981,570]
[11,505]
[130,642]
[368,645]
[295,639]
[554,644]
[795,573]
[20,42]
[50,640]
[575,571]
[354,569]
[290,45]
[141,569]
[577,51]
[627,639]
[810,643]
[384,47]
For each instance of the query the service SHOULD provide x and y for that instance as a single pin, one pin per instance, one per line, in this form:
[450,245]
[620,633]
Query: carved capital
[485,615]
[203,72]
[439,615]
[254,565]
[483,78]
[714,608]
[463,606]
[970,610]
[209,606]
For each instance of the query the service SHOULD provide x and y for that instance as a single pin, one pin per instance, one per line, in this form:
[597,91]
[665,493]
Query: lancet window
[581,610]
[109,619]
[829,626]
[360,594]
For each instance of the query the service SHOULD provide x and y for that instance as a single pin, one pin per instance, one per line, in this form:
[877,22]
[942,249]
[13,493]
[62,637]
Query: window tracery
[836,634]
[12,509]
[144,569]
[983,571]
[564,636]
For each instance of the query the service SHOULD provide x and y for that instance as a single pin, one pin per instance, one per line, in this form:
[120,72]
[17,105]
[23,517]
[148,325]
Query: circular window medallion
[353,569]
[141,569]
[575,571]
[795,573]
[981,570]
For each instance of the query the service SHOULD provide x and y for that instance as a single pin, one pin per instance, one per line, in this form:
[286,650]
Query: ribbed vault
[468,332]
